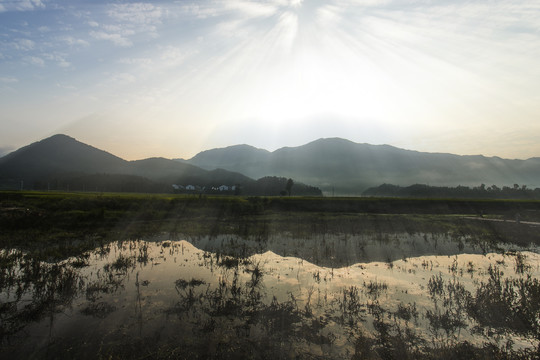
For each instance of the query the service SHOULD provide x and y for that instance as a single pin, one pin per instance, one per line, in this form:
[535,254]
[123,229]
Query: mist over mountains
[349,168]
[337,166]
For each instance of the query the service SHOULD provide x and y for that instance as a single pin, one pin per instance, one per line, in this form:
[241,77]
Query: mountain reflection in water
[227,297]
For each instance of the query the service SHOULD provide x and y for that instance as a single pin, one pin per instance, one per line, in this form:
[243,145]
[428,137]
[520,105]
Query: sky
[172,78]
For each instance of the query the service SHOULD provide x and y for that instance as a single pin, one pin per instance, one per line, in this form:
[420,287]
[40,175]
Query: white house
[190,187]
[223,188]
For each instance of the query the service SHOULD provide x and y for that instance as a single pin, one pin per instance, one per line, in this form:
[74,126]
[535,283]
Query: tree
[289,186]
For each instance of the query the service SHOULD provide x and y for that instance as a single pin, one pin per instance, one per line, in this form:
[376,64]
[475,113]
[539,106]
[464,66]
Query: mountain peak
[56,154]
[61,160]
[229,156]
[59,137]
[235,148]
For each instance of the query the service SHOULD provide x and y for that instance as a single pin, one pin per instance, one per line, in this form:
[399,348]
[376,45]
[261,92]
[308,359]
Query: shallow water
[228,297]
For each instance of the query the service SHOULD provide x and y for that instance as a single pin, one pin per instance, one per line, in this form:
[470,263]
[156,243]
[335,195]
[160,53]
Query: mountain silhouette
[56,155]
[334,165]
[61,162]
[348,168]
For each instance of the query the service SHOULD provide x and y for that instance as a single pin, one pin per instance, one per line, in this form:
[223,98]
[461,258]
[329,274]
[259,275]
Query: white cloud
[295,3]
[143,62]
[21,5]
[67,87]
[8,80]
[72,41]
[34,60]
[37,3]
[136,13]
[24,44]
[200,11]
[123,78]
[116,39]
[252,9]
[59,59]
[128,20]
[173,56]
[63,63]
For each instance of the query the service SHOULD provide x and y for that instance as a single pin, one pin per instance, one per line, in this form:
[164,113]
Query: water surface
[329,296]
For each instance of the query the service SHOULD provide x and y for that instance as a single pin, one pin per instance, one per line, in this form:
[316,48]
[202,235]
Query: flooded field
[327,296]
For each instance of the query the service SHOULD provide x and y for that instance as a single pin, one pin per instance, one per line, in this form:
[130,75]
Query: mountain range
[61,162]
[348,168]
[336,166]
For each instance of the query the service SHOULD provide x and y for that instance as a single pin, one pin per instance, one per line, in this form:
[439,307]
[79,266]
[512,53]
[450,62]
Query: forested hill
[61,162]
[346,168]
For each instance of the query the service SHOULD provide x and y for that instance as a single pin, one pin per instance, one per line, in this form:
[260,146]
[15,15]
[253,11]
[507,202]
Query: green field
[70,222]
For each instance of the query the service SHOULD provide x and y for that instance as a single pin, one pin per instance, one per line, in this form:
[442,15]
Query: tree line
[478,192]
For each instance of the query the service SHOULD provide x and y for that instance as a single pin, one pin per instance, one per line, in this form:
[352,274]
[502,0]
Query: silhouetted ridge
[63,163]
[344,167]
[57,154]
[230,157]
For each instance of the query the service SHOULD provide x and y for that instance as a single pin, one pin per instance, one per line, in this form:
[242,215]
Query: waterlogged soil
[227,297]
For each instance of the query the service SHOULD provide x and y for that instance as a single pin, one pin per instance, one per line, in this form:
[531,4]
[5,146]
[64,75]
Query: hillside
[63,163]
[236,156]
[56,155]
[337,166]
[348,168]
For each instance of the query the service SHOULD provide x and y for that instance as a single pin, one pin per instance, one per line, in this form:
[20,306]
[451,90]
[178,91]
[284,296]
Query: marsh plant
[168,299]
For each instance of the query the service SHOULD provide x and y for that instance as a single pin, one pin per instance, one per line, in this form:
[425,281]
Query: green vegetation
[236,314]
[56,225]
[479,192]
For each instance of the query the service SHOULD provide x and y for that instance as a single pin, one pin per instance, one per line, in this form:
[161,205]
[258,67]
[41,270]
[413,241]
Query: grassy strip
[36,220]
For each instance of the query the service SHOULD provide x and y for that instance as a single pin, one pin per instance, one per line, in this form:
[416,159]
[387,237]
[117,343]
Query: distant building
[223,188]
[190,187]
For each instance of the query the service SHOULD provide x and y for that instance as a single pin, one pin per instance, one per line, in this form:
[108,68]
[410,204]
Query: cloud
[59,59]
[295,3]
[72,41]
[8,80]
[143,62]
[173,56]
[123,78]
[21,5]
[64,86]
[115,38]
[252,9]
[127,20]
[200,11]
[63,63]
[34,60]
[136,13]
[125,31]
[24,44]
